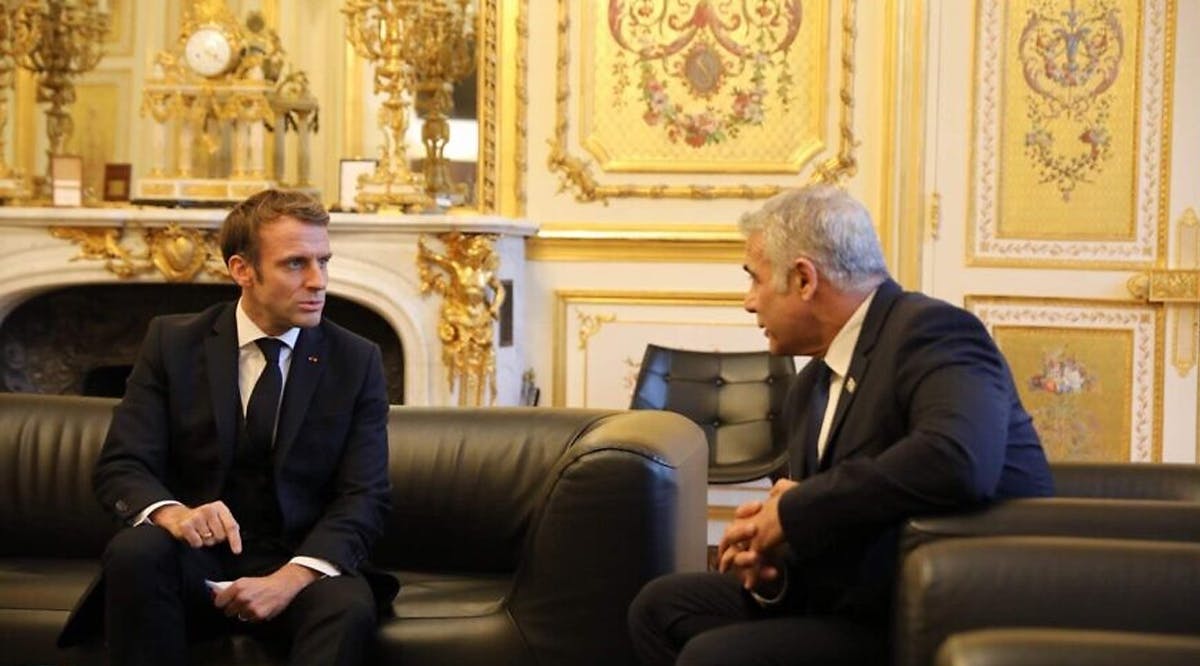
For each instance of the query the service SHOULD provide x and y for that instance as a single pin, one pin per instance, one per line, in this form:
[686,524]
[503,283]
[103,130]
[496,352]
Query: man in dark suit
[249,459]
[907,407]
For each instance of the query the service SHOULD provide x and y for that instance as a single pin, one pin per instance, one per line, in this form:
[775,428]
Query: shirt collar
[248,331]
[841,350]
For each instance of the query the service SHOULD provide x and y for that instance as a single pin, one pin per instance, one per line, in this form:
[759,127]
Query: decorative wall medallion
[731,60]
[1070,59]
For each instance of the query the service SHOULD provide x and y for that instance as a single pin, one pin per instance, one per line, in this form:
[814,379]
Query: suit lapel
[308,362]
[877,313]
[221,355]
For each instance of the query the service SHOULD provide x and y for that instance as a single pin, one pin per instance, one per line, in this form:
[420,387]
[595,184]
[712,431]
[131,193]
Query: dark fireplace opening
[83,340]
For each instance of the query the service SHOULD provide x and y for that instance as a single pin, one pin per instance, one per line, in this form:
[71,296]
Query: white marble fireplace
[374,265]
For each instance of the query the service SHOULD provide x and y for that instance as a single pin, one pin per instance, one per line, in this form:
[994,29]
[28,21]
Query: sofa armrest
[1146,520]
[1067,647]
[626,504]
[962,584]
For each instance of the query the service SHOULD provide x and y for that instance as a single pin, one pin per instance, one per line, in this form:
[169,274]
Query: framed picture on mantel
[66,175]
[116,181]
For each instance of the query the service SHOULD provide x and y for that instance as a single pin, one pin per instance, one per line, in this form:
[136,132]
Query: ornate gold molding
[635,242]
[575,174]
[463,277]
[1180,285]
[590,325]
[179,254]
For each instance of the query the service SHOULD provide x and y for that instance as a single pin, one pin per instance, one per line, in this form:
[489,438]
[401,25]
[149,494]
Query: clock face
[208,52]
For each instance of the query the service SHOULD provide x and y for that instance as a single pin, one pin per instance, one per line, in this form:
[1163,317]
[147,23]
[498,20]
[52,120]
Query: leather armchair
[1147,520]
[520,535]
[1157,481]
[734,397]
[1067,647]
[958,585]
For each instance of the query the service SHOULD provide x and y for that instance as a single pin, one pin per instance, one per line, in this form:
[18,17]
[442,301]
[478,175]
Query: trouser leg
[332,621]
[152,582]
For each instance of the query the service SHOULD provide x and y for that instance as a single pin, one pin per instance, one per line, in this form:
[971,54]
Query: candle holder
[449,30]
[397,36]
[69,43]
[17,35]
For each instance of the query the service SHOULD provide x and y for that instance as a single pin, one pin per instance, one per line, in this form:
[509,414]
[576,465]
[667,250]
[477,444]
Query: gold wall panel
[674,86]
[97,114]
[1089,372]
[600,337]
[1071,114]
[119,40]
[696,126]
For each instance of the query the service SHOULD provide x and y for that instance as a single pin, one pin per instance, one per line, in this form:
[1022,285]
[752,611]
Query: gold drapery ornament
[465,277]
[179,254]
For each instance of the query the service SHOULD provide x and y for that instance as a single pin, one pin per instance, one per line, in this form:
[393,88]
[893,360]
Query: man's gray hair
[825,224]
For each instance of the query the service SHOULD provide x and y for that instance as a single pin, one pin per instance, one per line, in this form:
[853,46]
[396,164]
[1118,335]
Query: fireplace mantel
[375,264]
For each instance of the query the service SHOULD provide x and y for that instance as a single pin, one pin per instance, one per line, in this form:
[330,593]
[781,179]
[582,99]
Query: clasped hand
[751,543]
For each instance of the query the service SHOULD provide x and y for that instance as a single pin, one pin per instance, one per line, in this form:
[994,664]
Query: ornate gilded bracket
[465,277]
[177,253]
[1179,289]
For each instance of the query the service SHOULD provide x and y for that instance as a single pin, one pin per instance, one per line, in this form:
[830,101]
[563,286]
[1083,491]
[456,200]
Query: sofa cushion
[451,619]
[36,595]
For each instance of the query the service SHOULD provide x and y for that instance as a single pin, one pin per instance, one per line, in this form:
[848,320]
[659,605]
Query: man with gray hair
[907,407]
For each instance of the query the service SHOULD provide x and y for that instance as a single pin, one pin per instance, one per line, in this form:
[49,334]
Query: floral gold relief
[673,86]
[178,254]
[1071,115]
[464,275]
[1090,373]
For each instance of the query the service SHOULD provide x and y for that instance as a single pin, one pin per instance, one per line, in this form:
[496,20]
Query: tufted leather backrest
[465,482]
[734,397]
[48,446]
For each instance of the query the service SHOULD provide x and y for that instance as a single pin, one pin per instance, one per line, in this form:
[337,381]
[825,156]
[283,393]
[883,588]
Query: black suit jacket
[172,436]
[928,420]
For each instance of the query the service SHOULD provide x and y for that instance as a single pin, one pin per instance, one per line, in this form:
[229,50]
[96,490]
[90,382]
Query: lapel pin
[851,385]
[313,359]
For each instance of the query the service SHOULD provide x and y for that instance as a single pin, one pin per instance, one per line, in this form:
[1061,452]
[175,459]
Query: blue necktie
[264,399]
[817,401]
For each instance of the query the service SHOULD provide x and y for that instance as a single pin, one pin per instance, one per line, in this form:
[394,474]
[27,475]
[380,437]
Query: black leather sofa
[1146,590]
[520,535]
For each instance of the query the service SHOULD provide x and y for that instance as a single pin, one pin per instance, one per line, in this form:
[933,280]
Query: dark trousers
[695,619]
[156,602]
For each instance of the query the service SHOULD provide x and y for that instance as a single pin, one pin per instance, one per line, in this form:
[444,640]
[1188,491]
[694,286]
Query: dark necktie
[817,400]
[264,399]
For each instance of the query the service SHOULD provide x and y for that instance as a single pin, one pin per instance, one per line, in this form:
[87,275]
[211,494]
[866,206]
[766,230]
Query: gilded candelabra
[388,33]
[448,28]
[70,33]
[16,36]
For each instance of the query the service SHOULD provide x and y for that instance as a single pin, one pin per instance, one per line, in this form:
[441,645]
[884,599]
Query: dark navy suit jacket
[930,423]
[172,436]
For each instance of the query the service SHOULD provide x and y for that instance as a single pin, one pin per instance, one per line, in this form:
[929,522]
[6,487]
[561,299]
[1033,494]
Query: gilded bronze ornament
[388,33]
[178,254]
[465,277]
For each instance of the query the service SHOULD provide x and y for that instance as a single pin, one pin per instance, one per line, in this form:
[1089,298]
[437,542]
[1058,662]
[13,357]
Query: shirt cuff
[773,601]
[144,516]
[318,565]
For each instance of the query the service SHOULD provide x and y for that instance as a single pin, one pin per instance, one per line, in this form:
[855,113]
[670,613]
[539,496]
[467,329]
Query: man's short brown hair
[239,233]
